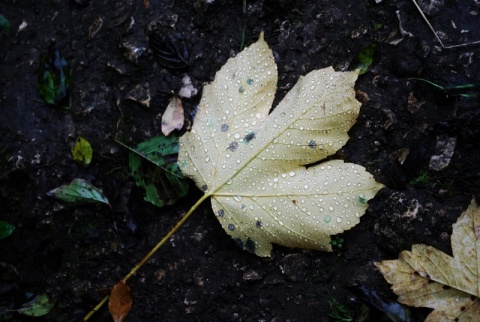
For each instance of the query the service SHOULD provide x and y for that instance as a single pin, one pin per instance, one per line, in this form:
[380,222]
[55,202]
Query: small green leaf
[82,151]
[364,59]
[53,81]
[6,229]
[78,192]
[39,306]
[153,165]
[4,25]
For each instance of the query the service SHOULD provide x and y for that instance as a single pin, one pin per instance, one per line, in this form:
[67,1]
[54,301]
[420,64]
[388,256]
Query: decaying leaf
[173,117]
[53,81]
[169,47]
[4,25]
[78,192]
[120,301]
[6,229]
[40,305]
[427,277]
[394,310]
[82,151]
[252,163]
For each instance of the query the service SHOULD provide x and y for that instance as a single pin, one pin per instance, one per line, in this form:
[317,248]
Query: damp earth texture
[417,140]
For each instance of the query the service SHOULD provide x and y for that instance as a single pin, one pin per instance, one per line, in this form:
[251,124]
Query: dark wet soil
[75,255]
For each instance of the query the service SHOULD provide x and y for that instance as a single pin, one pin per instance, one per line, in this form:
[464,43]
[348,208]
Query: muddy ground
[76,254]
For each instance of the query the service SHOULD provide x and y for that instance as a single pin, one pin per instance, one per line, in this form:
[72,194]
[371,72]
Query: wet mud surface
[420,142]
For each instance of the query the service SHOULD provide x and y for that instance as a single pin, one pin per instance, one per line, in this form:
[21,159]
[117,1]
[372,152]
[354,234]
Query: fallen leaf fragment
[4,25]
[427,277]
[253,164]
[169,47]
[153,166]
[22,26]
[187,90]
[41,305]
[82,151]
[6,229]
[120,301]
[53,80]
[364,59]
[394,310]
[173,117]
[78,192]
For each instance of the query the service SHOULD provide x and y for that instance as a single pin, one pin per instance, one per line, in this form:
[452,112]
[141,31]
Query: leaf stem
[151,252]
[95,309]
[166,237]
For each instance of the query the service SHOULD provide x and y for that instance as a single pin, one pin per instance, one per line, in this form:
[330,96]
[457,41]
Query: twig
[435,33]
[244,27]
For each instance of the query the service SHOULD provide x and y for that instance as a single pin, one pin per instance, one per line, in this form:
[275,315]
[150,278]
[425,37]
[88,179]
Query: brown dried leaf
[427,277]
[173,117]
[120,301]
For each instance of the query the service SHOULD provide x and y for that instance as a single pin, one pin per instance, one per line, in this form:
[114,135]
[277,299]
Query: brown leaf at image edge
[427,277]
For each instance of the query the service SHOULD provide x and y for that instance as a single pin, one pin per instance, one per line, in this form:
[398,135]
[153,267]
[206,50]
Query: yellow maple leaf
[427,277]
[252,163]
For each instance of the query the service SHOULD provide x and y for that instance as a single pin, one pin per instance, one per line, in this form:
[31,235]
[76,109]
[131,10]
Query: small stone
[252,276]
[295,267]
[134,49]
[391,118]
[443,153]
[431,7]
[187,90]
[95,27]
[160,275]
[140,93]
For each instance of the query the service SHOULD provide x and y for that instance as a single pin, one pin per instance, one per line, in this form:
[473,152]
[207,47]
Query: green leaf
[154,167]
[53,81]
[164,183]
[78,192]
[4,25]
[464,90]
[41,305]
[255,166]
[82,151]
[364,59]
[6,229]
